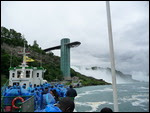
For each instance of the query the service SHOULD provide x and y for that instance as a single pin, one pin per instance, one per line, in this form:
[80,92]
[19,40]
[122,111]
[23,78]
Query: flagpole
[115,98]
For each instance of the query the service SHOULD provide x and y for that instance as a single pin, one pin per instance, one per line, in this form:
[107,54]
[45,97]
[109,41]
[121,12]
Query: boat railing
[4,87]
[6,103]
[28,105]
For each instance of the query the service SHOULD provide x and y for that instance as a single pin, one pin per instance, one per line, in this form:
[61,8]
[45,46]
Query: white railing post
[115,98]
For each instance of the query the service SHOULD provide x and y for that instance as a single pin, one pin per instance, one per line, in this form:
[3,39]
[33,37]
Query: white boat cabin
[32,75]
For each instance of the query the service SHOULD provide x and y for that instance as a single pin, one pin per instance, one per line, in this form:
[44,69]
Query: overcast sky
[85,21]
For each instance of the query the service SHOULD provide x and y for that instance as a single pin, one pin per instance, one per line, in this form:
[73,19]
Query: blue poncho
[50,108]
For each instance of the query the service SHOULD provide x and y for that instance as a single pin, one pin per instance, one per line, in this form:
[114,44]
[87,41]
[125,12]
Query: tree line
[14,39]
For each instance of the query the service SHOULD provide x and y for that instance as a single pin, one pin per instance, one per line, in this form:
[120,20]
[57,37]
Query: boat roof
[35,68]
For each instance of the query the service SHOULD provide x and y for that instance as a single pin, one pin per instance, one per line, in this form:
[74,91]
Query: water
[131,98]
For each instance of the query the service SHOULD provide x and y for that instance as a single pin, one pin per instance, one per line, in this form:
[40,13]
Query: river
[133,97]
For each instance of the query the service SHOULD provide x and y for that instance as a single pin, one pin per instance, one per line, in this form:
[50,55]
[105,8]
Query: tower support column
[65,58]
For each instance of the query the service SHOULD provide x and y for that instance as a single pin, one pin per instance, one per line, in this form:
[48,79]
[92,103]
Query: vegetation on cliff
[12,42]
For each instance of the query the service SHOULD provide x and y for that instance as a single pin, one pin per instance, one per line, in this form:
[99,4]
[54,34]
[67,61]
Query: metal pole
[115,98]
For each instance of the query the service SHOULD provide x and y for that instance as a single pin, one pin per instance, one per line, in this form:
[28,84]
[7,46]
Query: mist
[107,76]
[140,76]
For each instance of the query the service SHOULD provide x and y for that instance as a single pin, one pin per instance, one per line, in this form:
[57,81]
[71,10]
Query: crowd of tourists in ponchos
[46,96]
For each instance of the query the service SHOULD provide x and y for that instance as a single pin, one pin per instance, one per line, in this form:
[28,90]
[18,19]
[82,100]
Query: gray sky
[85,21]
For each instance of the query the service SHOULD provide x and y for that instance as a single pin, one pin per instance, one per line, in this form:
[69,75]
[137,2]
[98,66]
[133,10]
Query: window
[13,75]
[18,74]
[37,74]
[27,74]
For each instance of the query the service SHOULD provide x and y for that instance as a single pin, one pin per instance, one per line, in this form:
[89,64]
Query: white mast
[24,55]
[115,98]
[24,62]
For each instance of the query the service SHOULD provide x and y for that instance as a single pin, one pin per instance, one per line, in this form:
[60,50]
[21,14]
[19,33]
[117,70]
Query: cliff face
[45,58]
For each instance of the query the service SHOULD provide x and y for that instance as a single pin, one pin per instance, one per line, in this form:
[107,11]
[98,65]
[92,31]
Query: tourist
[71,92]
[30,88]
[47,98]
[55,95]
[45,91]
[105,109]
[64,105]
